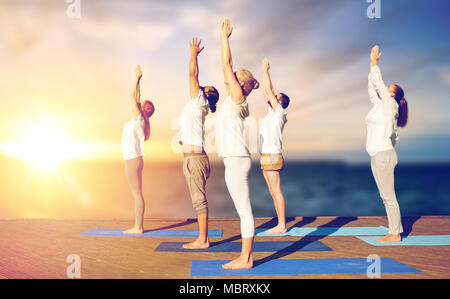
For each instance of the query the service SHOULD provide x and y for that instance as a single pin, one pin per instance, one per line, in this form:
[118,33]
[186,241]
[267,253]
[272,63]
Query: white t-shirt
[271,130]
[192,121]
[133,138]
[230,138]
[381,120]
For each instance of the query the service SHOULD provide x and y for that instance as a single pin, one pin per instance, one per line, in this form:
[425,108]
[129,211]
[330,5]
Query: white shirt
[271,130]
[381,120]
[133,138]
[230,138]
[192,121]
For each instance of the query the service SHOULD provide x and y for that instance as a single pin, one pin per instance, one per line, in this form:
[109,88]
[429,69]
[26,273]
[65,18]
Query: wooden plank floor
[39,248]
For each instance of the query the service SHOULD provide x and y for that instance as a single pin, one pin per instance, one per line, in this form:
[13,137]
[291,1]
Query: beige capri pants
[196,170]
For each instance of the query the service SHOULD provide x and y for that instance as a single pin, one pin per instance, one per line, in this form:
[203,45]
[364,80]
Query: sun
[45,144]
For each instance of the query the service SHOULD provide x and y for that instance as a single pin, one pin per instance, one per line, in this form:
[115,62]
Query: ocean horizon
[98,190]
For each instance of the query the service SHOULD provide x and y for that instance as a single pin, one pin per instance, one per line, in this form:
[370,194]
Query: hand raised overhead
[226,29]
[375,54]
[195,46]
[138,72]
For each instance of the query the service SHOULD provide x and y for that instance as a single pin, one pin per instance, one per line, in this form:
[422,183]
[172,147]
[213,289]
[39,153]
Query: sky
[74,75]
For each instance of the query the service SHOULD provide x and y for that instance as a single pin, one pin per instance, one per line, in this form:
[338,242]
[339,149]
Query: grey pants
[383,165]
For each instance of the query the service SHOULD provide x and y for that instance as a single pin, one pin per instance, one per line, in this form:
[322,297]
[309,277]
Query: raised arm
[194,85]
[268,86]
[373,95]
[136,94]
[375,75]
[233,86]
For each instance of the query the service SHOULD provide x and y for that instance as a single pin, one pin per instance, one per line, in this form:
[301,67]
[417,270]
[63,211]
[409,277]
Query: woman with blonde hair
[135,132]
[389,111]
[232,146]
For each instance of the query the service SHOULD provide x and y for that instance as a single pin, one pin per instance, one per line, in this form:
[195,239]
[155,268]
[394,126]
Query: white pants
[236,177]
[383,164]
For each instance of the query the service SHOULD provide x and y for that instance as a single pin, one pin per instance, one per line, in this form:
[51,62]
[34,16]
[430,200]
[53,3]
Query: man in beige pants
[196,166]
[196,170]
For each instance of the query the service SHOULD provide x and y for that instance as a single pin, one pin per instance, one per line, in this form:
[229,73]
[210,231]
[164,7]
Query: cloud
[22,24]
[120,32]
[318,51]
[445,76]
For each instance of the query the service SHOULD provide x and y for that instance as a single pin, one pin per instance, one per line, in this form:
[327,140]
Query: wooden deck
[39,248]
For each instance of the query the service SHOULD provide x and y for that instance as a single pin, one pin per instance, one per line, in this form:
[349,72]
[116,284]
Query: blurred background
[64,98]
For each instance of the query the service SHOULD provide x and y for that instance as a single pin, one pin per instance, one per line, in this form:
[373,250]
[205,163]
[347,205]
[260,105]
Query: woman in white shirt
[270,138]
[196,166]
[135,132]
[389,111]
[232,146]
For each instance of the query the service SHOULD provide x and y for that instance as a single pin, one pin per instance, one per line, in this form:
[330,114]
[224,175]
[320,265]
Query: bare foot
[390,238]
[134,231]
[277,230]
[197,244]
[239,263]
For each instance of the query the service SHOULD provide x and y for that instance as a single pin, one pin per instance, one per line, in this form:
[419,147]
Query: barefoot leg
[245,260]
[133,171]
[202,241]
[134,231]
[274,185]
[390,238]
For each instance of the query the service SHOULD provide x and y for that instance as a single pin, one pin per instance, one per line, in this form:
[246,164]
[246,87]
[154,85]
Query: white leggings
[236,177]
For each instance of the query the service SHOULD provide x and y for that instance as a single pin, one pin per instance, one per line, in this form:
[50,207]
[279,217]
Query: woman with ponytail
[270,138]
[232,146]
[135,132]
[389,111]
[196,166]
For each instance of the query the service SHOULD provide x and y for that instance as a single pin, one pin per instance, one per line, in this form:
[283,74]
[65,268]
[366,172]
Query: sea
[98,190]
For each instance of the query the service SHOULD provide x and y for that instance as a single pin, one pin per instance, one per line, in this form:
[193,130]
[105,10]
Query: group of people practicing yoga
[388,112]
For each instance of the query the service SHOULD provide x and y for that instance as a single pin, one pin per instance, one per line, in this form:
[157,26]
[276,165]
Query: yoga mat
[100,232]
[257,247]
[205,268]
[412,241]
[329,231]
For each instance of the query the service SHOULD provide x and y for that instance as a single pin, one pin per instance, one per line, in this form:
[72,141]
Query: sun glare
[44,144]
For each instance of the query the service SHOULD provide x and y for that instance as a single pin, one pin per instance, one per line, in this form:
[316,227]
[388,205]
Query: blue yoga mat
[257,247]
[205,268]
[329,231]
[412,241]
[100,232]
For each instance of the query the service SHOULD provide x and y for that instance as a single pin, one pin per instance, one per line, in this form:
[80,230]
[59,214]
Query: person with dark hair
[270,139]
[389,111]
[196,167]
[135,132]
[233,148]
